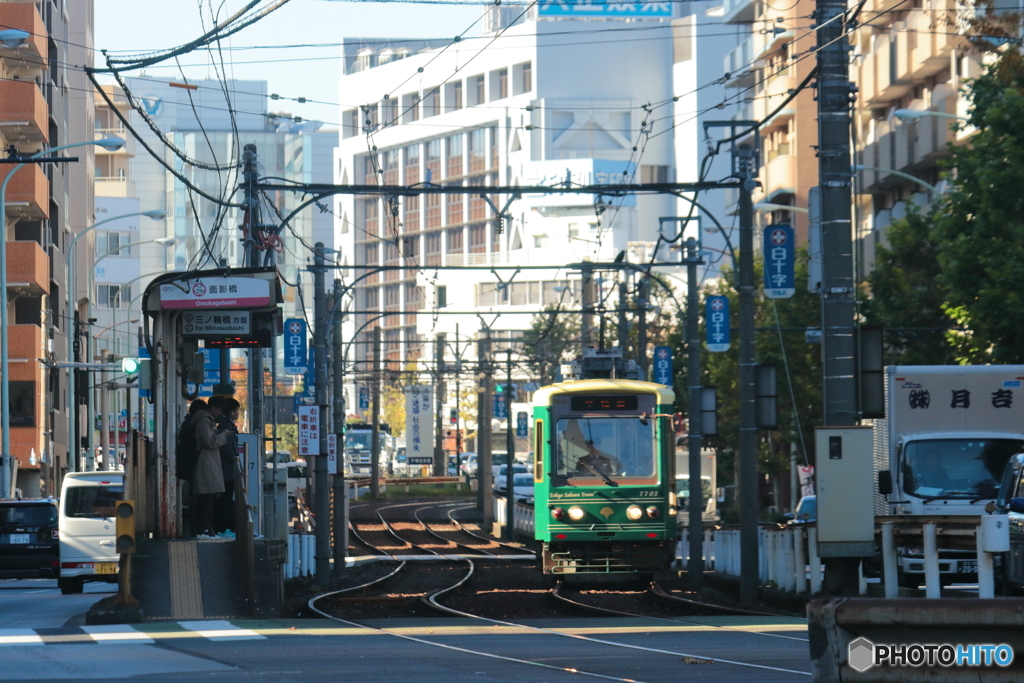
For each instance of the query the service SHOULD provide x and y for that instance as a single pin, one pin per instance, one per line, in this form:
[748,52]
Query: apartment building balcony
[114,187]
[28,269]
[28,193]
[739,11]
[738,64]
[23,113]
[779,177]
[26,344]
[30,58]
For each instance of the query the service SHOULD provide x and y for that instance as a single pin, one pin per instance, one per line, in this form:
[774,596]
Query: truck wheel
[70,586]
[908,581]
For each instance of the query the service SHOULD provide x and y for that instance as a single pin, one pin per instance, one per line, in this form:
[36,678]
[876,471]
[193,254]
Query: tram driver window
[622,448]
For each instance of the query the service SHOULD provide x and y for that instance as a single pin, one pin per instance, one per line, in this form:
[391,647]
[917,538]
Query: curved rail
[518,549]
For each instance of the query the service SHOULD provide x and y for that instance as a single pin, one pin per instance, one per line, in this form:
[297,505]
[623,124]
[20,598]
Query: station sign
[216,292]
[226,322]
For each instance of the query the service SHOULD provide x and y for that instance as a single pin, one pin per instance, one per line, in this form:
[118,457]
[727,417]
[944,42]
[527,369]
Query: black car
[29,542]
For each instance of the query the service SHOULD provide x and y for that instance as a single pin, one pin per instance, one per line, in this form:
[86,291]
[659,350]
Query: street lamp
[768,206]
[857,168]
[155,214]
[915,114]
[111,144]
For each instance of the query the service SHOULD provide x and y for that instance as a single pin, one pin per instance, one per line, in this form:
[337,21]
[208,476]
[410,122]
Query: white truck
[358,442]
[942,448]
[708,485]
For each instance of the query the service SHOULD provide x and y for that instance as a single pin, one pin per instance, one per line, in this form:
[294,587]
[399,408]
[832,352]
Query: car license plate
[968,568]
[106,567]
[19,538]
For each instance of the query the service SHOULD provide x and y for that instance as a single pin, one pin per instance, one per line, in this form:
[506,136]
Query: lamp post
[111,144]
[769,206]
[899,174]
[73,446]
[914,114]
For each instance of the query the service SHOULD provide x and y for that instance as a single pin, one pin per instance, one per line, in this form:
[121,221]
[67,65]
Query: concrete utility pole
[623,331]
[323,507]
[439,464]
[692,259]
[510,449]
[587,304]
[839,341]
[375,418]
[251,219]
[745,168]
[484,494]
[338,427]
[641,344]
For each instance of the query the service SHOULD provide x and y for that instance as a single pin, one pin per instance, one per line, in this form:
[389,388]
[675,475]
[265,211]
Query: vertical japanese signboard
[716,320]
[419,433]
[779,266]
[309,431]
[663,365]
[332,454]
[295,346]
[364,398]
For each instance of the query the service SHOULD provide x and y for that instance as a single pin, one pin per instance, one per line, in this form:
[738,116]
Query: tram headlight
[653,512]
[634,512]
[558,513]
[576,513]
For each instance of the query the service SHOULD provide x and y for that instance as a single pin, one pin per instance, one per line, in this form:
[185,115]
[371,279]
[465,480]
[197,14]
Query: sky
[132,26]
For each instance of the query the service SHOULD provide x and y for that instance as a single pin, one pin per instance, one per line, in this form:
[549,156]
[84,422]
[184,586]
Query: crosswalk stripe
[220,630]
[19,636]
[117,634]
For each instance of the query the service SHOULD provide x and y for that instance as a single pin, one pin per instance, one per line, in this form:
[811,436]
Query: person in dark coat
[224,510]
[208,480]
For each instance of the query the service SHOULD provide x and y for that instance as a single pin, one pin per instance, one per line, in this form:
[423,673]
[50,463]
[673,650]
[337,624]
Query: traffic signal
[453,416]
[124,514]
[130,366]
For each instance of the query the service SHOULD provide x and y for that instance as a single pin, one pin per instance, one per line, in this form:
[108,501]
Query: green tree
[553,338]
[907,296]
[979,227]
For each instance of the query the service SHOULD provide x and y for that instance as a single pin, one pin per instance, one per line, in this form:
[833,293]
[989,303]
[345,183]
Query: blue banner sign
[779,262]
[522,424]
[364,398]
[716,320]
[603,8]
[663,365]
[500,406]
[295,352]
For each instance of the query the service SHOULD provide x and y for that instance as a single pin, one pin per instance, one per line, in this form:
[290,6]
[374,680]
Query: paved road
[437,650]
[37,603]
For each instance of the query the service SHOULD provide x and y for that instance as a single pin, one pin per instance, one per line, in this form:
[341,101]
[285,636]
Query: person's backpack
[186,449]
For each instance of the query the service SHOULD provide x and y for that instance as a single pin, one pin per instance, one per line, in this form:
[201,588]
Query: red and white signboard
[332,454]
[216,292]
[806,473]
[309,431]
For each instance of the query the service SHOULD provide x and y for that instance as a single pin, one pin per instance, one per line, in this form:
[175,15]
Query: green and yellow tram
[604,477]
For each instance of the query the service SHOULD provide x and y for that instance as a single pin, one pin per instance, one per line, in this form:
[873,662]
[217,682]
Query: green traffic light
[500,388]
[130,365]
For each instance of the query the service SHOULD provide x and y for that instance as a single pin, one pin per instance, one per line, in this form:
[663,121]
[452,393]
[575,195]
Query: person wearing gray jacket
[208,478]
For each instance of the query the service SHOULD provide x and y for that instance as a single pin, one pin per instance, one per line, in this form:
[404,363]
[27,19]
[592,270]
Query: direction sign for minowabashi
[220,322]
[779,262]
[716,320]
[295,346]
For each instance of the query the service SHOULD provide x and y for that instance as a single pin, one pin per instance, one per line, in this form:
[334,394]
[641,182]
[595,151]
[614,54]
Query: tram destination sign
[216,292]
[216,323]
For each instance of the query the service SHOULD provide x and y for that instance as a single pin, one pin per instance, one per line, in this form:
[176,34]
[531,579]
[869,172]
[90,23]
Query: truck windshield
[957,468]
[591,450]
[358,441]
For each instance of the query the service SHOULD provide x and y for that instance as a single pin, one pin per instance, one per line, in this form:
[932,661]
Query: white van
[87,528]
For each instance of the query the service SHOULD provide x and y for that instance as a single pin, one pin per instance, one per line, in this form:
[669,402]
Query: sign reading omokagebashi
[216,292]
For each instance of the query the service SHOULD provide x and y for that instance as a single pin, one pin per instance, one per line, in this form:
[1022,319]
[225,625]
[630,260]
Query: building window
[502,78]
[479,92]
[478,150]
[410,107]
[455,241]
[478,238]
[113,244]
[113,296]
[23,403]
[432,103]
[527,77]
[654,174]
[442,296]
[523,78]
[454,161]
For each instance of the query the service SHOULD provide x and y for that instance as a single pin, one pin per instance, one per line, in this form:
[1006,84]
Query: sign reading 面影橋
[779,262]
[716,320]
[603,8]
[227,322]
[216,292]
[419,422]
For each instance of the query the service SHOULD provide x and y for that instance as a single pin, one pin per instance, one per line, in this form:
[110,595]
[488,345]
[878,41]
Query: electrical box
[845,486]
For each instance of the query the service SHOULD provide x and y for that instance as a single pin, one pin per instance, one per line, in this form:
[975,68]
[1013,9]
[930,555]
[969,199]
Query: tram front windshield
[621,448]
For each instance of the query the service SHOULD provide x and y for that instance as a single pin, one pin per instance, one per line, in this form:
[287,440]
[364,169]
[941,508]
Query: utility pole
[510,449]
[105,415]
[375,418]
[745,168]
[485,495]
[323,507]
[694,438]
[251,221]
[623,325]
[641,346]
[338,398]
[587,295]
[90,398]
[839,345]
[74,438]
[439,464]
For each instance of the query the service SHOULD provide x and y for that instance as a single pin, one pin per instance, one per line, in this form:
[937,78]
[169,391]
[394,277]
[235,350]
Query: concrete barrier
[846,633]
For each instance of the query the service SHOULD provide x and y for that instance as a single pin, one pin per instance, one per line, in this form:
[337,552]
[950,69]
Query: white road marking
[117,634]
[220,630]
[19,636]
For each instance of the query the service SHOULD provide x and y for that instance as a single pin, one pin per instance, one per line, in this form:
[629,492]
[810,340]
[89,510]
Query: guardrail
[301,556]
[523,515]
[788,557]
